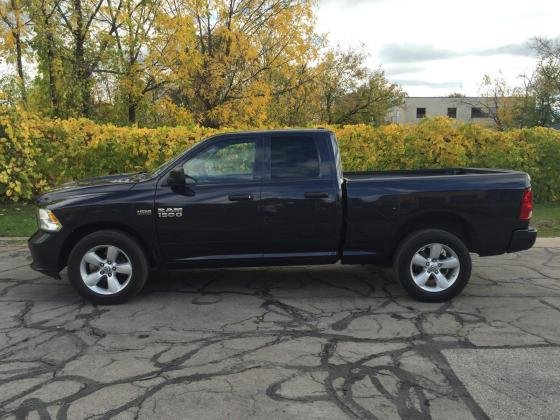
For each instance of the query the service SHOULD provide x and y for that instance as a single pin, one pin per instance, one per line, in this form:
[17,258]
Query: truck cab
[253,198]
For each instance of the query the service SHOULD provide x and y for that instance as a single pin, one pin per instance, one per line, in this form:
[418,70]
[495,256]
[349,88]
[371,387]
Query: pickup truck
[278,197]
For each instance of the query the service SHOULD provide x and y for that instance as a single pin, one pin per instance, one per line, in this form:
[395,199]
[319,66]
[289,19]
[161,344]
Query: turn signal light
[48,221]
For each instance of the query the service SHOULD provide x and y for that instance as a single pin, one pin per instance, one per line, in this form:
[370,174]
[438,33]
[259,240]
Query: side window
[227,161]
[293,157]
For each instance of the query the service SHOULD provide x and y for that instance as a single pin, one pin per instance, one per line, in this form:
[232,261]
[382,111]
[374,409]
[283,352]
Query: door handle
[240,197]
[316,195]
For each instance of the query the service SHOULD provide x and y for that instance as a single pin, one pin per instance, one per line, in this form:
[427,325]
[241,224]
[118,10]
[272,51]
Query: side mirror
[176,177]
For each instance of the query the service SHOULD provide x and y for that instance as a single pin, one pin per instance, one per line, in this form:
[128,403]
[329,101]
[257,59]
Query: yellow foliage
[36,154]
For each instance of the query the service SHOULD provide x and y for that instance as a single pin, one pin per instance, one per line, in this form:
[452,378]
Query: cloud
[521,49]
[406,53]
[409,53]
[405,68]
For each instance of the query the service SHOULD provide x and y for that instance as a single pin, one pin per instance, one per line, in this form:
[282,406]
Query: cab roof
[277,131]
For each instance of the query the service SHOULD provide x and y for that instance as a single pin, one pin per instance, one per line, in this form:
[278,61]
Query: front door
[215,217]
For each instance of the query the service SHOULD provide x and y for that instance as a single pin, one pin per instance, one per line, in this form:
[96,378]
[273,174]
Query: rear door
[215,218]
[300,200]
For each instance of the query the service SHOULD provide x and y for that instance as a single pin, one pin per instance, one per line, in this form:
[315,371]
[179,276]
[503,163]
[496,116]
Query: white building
[468,109]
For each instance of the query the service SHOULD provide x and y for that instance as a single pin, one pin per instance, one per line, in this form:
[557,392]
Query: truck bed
[380,205]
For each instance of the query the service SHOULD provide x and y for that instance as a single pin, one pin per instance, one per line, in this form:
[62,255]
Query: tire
[426,278]
[100,280]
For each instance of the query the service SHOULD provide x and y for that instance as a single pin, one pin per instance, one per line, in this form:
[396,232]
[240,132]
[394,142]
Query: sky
[436,47]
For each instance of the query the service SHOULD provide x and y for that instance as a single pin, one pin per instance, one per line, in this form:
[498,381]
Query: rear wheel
[107,267]
[433,265]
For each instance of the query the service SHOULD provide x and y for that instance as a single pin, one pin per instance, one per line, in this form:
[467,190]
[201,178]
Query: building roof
[446,97]
[455,97]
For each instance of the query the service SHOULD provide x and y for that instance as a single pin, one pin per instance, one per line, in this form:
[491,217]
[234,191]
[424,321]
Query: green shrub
[37,154]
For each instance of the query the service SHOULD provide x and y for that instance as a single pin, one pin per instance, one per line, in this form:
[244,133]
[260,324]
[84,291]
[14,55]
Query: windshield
[165,165]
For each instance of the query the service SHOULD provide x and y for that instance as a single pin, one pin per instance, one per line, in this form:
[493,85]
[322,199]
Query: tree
[536,101]
[544,85]
[14,36]
[501,102]
[87,38]
[217,63]
[130,63]
[351,93]
[238,45]
[295,101]
[371,102]
[47,45]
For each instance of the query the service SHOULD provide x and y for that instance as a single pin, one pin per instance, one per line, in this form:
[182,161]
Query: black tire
[131,250]
[402,263]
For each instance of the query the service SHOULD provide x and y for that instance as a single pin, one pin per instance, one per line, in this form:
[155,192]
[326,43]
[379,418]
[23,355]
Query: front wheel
[107,267]
[433,265]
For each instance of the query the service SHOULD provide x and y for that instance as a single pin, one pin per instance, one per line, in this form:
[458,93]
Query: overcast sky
[435,47]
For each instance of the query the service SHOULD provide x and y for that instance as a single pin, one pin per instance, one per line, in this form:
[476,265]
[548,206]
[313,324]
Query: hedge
[37,154]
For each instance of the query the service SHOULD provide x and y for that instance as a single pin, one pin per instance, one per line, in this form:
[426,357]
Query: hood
[90,186]
[128,178]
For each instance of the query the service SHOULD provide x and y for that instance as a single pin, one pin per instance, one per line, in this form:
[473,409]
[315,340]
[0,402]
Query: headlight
[48,221]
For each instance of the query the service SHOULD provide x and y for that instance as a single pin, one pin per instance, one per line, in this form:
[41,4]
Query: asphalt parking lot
[284,343]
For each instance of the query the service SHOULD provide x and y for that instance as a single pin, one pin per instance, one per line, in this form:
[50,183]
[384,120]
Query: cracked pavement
[300,342]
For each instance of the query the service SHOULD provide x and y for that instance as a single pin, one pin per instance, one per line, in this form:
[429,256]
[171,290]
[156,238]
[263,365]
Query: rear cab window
[293,157]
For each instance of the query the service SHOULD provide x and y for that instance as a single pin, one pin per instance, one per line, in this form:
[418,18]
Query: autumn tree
[350,92]
[47,45]
[87,38]
[237,45]
[295,101]
[217,63]
[536,100]
[543,86]
[129,62]
[14,37]
[500,101]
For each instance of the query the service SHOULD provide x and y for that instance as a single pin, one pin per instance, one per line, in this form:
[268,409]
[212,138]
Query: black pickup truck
[279,198]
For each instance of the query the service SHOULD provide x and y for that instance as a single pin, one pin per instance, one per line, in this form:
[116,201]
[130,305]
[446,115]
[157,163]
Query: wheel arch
[86,229]
[450,222]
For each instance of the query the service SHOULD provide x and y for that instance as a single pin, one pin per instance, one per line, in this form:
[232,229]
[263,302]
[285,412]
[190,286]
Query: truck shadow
[300,281]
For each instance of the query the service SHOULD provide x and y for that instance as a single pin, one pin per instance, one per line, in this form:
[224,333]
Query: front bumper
[522,239]
[45,250]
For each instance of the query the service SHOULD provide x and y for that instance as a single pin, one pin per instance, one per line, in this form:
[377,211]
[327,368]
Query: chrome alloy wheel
[435,267]
[106,269]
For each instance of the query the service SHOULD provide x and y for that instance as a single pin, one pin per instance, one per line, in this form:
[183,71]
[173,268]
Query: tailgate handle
[316,195]
[240,197]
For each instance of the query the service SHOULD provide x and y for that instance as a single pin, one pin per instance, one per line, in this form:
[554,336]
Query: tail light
[526,210]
